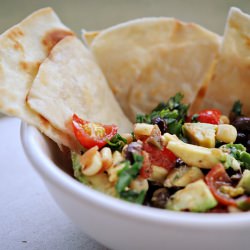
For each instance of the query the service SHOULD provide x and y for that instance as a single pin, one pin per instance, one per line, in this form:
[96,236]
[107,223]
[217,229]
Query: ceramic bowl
[119,224]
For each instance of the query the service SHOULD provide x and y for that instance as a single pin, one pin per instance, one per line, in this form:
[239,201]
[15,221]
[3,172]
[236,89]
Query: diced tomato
[91,134]
[216,178]
[211,116]
[189,118]
[160,157]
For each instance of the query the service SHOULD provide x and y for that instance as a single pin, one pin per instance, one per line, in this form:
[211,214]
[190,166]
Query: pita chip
[88,37]
[69,81]
[231,79]
[148,60]
[22,49]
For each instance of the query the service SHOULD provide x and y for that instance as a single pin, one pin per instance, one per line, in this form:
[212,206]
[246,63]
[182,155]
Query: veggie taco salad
[153,111]
[198,163]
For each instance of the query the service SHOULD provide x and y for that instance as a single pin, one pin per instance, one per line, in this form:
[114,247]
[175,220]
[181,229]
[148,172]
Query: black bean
[244,139]
[235,178]
[248,144]
[179,162]
[159,198]
[161,123]
[231,172]
[241,138]
[242,124]
[133,148]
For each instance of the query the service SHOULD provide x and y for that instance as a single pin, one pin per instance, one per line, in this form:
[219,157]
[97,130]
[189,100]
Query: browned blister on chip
[22,49]
[52,37]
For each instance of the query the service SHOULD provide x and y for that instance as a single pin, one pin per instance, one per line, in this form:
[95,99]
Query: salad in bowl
[153,111]
[197,163]
[103,101]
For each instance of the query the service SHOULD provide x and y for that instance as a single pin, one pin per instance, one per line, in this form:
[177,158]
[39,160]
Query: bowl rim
[49,171]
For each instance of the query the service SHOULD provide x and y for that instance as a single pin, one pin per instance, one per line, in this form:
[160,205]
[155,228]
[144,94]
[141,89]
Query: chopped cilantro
[117,142]
[132,196]
[237,108]
[173,112]
[238,151]
[125,176]
[194,118]
[77,168]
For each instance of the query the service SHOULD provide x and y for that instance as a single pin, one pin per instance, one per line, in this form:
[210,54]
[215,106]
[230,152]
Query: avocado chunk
[193,155]
[158,174]
[196,156]
[195,197]
[182,176]
[202,134]
[245,181]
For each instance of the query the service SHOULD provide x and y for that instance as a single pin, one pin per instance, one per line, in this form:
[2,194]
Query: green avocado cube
[195,197]
[245,181]
[201,134]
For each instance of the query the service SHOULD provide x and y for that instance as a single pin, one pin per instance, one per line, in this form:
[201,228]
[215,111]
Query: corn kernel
[91,162]
[107,158]
[226,133]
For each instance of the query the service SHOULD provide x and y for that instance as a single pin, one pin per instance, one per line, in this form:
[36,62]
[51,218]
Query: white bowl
[121,225]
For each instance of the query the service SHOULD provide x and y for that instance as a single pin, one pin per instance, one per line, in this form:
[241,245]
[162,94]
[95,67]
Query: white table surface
[29,218]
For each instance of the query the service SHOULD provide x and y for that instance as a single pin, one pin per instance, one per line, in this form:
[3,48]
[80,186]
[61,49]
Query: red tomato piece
[211,116]
[91,134]
[216,178]
[160,157]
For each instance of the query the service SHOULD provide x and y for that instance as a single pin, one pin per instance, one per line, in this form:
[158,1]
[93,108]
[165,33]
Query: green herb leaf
[237,108]
[132,196]
[116,143]
[173,112]
[77,168]
[238,151]
[126,175]
[245,158]
[124,178]
[194,118]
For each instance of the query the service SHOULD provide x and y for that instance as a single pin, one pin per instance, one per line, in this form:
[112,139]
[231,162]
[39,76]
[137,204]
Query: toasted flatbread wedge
[148,60]
[69,81]
[231,79]
[22,49]
[88,37]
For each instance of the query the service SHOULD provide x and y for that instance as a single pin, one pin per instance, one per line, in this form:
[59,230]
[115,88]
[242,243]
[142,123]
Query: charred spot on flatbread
[15,33]
[52,37]
[29,67]
[21,53]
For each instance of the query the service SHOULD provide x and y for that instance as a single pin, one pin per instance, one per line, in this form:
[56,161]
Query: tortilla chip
[69,81]
[231,79]
[148,60]
[22,49]
[88,37]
